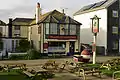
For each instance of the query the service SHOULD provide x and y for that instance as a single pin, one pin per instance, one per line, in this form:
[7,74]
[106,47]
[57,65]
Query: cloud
[26,8]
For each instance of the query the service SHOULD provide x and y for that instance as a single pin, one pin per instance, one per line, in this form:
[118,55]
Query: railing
[56,49]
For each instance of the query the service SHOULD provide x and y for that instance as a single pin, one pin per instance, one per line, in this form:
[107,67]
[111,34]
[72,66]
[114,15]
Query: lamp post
[95,30]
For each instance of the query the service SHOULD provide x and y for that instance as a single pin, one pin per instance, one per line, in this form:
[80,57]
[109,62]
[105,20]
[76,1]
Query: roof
[55,17]
[22,21]
[95,6]
[2,23]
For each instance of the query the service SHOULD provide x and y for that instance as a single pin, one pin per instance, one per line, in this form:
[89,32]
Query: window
[47,28]
[12,45]
[72,29]
[1,29]
[114,29]
[17,43]
[64,29]
[53,28]
[17,35]
[115,13]
[39,29]
[17,27]
[115,45]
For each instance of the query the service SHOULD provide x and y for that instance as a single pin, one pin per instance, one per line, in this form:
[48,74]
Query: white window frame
[116,31]
[17,27]
[114,13]
[47,28]
[115,45]
[53,28]
[73,29]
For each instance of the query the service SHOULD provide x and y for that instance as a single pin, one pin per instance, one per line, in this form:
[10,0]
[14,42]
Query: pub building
[54,32]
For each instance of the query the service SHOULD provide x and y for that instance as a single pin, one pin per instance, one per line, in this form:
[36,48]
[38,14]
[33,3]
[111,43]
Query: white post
[94,52]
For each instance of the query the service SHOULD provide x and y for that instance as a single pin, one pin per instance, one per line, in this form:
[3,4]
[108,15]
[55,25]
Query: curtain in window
[47,28]
[72,29]
[66,29]
[53,28]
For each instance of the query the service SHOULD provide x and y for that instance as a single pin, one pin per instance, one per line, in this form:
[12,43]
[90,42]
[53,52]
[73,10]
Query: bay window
[53,28]
[72,29]
[47,28]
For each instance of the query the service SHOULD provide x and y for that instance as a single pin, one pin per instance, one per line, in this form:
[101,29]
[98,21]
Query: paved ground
[41,61]
[64,76]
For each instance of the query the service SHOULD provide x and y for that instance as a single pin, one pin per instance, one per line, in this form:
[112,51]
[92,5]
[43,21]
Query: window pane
[47,28]
[115,30]
[12,45]
[64,29]
[72,29]
[53,28]
[17,27]
[115,13]
[115,45]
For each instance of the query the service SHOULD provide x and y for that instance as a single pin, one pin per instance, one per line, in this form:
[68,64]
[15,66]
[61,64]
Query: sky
[26,8]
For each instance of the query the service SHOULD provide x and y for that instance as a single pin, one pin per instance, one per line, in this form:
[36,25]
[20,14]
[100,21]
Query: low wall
[16,53]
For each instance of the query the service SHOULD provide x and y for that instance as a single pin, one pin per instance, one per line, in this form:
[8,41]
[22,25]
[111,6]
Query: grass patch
[12,75]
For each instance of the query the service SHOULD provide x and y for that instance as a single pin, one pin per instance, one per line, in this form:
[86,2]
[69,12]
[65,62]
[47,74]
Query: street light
[95,30]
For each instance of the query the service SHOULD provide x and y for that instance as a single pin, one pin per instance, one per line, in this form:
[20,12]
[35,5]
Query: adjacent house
[108,36]
[20,27]
[54,32]
[3,28]
[17,29]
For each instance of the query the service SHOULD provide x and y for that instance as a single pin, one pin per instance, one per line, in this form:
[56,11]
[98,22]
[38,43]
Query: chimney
[10,28]
[63,11]
[38,12]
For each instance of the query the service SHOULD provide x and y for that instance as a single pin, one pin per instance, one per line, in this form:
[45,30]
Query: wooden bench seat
[28,74]
[91,72]
[85,71]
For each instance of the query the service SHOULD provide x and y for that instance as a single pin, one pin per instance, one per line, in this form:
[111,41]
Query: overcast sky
[26,8]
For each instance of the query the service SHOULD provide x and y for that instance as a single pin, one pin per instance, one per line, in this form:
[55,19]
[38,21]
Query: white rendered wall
[4,30]
[7,45]
[86,35]
[35,37]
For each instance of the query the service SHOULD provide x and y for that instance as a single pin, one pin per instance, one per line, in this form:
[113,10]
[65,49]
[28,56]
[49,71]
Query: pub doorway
[72,48]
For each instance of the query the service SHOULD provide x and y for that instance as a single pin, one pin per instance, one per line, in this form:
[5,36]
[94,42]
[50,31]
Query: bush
[24,45]
[33,54]
[18,56]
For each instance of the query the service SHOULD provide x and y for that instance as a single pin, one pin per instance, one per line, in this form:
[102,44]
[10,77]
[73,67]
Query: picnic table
[8,66]
[89,70]
[34,71]
[73,66]
[111,64]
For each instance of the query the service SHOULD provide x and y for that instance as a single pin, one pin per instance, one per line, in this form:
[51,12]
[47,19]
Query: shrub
[24,45]
[18,56]
[33,54]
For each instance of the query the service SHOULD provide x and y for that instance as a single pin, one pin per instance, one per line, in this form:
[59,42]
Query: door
[71,48]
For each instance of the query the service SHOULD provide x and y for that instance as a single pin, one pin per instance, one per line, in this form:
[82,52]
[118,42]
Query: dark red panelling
[45,45]
[62,37]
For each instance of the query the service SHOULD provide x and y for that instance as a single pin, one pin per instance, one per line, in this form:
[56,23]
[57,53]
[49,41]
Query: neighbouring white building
[108,35]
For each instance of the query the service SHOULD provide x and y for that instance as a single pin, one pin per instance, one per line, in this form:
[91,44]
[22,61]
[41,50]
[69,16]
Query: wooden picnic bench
[37,71]
[48,63]
[8,66]
[88,70]
[114,75]
[28,74]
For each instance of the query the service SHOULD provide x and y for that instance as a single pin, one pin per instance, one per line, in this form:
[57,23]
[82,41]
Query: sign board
[95,24]
[61,37]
